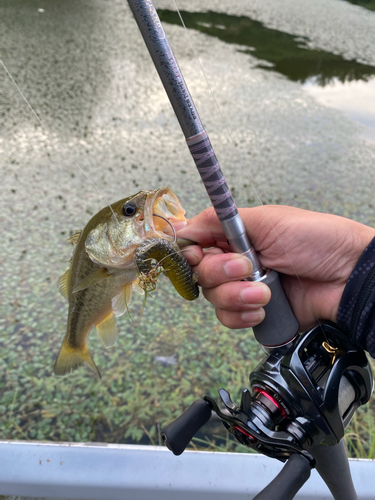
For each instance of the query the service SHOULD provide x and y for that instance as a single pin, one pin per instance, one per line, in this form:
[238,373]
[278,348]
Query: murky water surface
[367,4]
[276,50]
[292,80]
[347,85]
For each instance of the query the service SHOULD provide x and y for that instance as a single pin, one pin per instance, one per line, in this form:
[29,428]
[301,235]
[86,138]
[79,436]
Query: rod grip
[280,325]
[289,481]
[178,434]
[213,179]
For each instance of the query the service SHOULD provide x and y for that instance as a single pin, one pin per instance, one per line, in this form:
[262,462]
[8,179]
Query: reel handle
[178,434]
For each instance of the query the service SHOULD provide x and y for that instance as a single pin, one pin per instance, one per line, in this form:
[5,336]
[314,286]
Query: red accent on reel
[273,401]
[247,434]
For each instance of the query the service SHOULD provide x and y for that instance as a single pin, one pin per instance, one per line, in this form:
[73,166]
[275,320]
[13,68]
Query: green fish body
[102,273]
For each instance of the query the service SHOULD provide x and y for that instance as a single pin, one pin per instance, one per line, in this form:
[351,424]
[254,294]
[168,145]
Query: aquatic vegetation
[138,394]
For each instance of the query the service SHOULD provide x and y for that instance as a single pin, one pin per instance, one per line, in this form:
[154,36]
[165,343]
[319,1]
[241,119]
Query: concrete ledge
[124,472]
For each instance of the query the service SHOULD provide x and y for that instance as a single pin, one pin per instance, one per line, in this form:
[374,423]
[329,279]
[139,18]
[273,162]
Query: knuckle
[224,297]
[208,214]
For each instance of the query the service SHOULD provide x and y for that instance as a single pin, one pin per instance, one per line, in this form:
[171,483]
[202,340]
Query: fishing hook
[173,229]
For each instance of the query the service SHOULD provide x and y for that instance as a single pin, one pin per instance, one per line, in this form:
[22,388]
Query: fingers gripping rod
[280,325]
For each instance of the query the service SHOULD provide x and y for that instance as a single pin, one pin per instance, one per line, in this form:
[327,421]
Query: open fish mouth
[115,236]
[162,203]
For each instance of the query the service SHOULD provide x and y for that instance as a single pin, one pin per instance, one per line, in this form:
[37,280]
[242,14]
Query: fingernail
[254,317]
[255,293]
[191,256]
[238,267]
[179,224]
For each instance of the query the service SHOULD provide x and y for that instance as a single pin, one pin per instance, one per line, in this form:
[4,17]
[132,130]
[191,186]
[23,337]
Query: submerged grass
[178,353]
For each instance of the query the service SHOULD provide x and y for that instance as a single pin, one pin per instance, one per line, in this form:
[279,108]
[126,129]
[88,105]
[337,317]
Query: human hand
[314,253]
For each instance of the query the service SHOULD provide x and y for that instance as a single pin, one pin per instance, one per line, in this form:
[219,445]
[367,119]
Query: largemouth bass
[103,272]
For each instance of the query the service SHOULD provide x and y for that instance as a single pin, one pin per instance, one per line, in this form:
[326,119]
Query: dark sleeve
[356,314]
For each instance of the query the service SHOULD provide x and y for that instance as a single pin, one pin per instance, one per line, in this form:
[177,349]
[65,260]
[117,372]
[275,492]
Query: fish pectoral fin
[137,288]
[73,238]
[107,331]
[121,301]
[63,283]
[70,358]
[92,279]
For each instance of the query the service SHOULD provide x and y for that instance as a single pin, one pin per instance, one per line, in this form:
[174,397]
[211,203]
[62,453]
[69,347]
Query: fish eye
[129,209]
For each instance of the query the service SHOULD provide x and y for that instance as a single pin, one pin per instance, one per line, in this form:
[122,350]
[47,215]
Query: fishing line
[61,148]
[65,152]
[228,132]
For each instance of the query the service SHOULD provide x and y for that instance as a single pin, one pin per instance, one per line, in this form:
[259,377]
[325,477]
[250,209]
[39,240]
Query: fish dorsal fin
[63,283]
[73,238]
[121,301]
[107,330]
[70,358]
[92,279]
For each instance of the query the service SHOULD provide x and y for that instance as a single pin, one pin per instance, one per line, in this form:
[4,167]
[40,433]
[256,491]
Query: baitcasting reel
[302,395]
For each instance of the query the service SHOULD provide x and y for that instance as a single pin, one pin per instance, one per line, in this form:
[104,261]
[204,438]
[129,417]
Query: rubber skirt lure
[156,255]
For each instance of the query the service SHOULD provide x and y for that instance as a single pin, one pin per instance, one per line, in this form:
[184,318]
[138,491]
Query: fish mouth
[112,242]
[160,205]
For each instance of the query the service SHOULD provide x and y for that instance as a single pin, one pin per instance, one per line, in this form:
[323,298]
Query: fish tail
[70,358]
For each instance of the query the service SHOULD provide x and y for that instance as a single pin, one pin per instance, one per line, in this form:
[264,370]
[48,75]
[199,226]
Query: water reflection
[355,99]
[367,4]
[277,50]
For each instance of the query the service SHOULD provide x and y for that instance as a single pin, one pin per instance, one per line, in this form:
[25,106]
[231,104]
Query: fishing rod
[280,325]
[305,392]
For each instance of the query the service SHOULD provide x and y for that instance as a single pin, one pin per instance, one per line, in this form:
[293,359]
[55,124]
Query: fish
[103,273]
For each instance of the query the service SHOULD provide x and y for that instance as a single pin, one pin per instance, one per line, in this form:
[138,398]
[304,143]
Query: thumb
[205,229]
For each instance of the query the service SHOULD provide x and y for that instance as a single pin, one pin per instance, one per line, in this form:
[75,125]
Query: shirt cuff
[356,314]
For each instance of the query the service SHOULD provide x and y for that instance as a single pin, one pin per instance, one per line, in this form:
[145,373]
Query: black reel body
[302,395]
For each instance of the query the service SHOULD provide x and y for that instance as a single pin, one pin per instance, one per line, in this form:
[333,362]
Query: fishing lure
[168,256]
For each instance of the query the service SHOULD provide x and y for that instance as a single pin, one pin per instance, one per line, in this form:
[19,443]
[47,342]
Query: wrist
[356,312]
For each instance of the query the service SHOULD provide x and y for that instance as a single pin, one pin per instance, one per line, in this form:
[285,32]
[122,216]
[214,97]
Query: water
[84,69]
[367,4]
[347,85]
[275,50]
[356,99]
